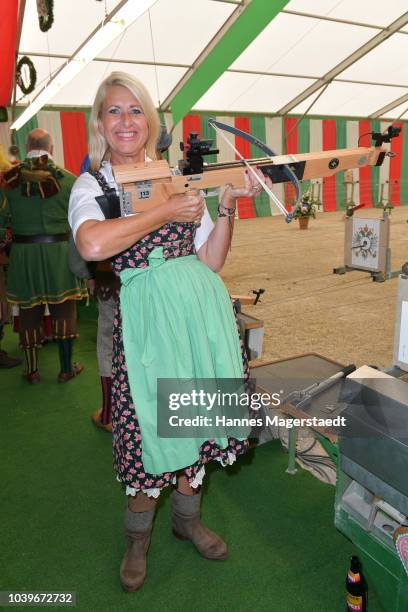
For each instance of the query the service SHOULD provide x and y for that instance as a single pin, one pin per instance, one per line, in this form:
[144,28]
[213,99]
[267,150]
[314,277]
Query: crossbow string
[220,127]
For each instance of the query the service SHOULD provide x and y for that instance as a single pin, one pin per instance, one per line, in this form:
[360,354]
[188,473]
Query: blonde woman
[174,319]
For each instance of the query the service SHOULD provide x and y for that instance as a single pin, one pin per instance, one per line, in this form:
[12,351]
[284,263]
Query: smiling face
[123,125]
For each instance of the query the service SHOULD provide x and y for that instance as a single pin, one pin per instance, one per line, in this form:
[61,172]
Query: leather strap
[109,202]
[40,238]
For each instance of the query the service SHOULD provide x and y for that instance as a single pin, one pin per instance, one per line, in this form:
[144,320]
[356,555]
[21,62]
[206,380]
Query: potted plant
[305,210]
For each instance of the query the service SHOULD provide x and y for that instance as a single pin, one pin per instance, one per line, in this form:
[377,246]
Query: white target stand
[401,322]
[366,247]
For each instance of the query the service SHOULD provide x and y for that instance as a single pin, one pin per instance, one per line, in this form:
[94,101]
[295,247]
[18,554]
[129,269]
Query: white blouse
[83,206]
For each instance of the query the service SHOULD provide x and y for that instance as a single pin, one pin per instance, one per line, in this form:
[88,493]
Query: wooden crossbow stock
[143,185]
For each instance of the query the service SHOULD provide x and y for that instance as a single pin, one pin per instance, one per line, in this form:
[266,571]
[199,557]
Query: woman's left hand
[251,188]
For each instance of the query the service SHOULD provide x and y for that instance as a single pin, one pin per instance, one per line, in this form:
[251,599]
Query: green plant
[306,208]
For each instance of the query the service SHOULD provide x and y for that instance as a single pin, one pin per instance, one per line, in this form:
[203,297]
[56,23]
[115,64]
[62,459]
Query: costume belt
[40,238]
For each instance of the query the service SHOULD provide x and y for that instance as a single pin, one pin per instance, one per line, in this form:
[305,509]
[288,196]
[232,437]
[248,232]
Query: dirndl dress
[174,320]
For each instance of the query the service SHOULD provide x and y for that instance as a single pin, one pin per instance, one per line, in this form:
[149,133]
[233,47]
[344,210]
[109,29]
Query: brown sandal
[96,420]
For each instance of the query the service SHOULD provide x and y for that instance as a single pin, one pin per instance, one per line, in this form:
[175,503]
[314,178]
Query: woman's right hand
[186,207]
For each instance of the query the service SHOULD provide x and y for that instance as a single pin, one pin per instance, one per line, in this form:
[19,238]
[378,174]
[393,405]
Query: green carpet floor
[61,526]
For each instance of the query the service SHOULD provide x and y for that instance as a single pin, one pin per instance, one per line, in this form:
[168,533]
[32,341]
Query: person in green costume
[6,361]
[174,318]
[34,200]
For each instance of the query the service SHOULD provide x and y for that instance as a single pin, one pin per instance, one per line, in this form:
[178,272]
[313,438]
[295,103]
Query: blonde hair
[98,147]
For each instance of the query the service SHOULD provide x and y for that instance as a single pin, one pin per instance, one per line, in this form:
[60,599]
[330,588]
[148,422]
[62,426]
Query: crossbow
[146,184]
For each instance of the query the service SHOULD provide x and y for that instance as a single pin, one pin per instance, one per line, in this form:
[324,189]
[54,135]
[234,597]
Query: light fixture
[115,23]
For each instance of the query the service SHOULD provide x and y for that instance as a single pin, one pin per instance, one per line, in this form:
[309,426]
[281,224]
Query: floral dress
[177,240]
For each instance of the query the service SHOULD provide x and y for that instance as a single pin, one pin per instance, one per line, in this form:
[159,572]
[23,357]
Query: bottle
[356,588]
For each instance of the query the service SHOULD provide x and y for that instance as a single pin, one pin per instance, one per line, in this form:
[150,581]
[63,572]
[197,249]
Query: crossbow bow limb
[146,184]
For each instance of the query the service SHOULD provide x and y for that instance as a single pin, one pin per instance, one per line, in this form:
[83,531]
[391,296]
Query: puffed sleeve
[82,203]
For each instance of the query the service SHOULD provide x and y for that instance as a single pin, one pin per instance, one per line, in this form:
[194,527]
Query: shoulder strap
[109,202]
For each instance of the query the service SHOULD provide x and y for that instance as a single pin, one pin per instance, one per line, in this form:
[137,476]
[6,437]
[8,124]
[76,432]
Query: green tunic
[39,272]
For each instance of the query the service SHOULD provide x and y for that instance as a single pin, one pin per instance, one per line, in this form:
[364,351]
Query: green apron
[178,323]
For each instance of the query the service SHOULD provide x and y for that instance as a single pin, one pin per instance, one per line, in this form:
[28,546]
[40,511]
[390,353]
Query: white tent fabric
[300,46]
[159,56]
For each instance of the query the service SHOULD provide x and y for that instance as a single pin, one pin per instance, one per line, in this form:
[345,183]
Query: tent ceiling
[301,52]
[258,93]
[293,54]
[397,111]
[361,11]
[342,99]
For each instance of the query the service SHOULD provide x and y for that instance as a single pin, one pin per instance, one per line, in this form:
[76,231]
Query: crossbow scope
[379,138]
[197,149]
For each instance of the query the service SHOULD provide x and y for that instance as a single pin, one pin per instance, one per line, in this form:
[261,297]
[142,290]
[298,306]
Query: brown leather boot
[138,526]
[187,526]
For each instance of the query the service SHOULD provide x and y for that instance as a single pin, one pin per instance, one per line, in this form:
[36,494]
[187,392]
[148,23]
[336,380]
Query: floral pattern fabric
[177,240]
